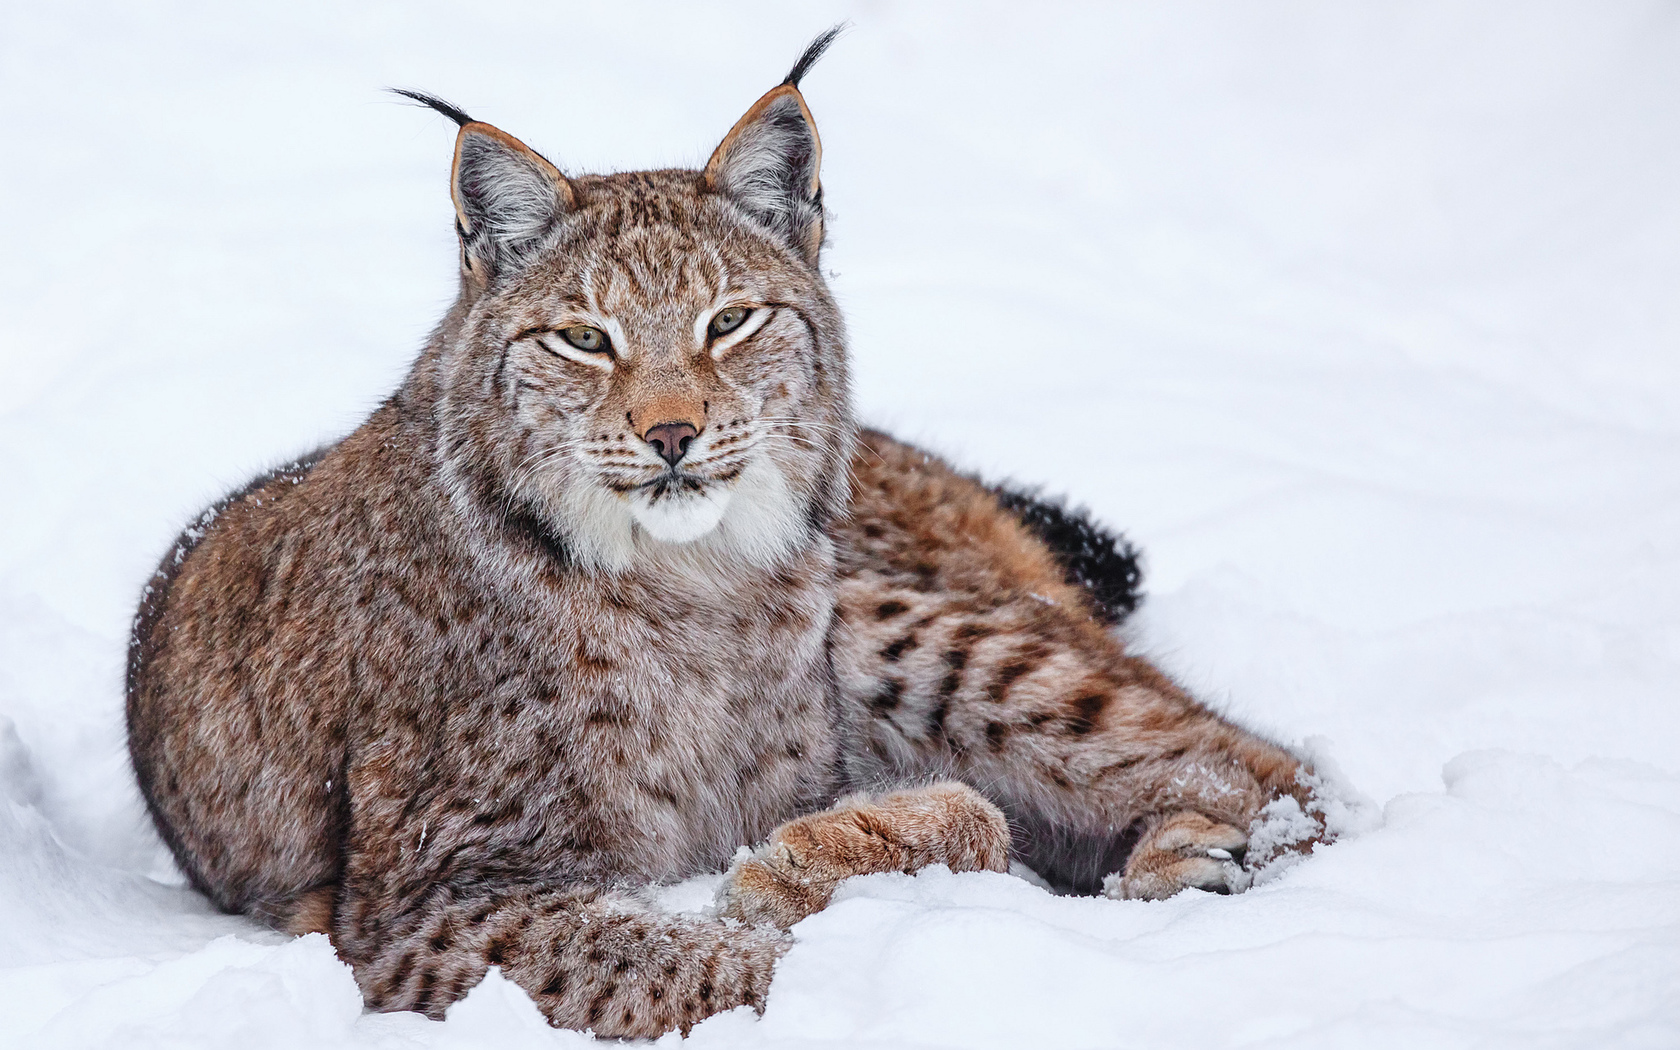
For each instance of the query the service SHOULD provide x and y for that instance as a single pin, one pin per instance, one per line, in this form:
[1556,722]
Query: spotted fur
[452,689]
[971,651]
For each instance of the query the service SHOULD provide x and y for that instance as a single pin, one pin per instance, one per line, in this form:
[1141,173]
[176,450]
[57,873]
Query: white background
[1362,320]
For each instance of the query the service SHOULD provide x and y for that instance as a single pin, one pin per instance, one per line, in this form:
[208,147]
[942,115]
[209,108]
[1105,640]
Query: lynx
[613,586]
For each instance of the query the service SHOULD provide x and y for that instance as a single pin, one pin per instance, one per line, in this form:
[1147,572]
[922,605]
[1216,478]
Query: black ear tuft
[420,98]
[770,163]
[508,197]
[813,52]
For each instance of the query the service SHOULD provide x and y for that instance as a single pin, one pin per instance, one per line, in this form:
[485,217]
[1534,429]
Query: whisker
[813,424]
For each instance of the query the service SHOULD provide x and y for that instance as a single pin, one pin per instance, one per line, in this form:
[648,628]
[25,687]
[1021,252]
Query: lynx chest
[630,726]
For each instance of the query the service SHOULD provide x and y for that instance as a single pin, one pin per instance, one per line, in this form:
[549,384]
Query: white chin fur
[680,518]
[758,519]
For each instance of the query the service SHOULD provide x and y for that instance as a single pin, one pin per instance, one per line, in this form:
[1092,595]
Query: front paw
[794,874]
[1182,851]
[767,887]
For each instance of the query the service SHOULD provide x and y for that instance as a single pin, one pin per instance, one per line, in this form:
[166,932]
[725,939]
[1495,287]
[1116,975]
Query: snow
[1360,319]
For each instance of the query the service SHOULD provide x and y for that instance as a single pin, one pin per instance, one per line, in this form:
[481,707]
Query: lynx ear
[770,161]
[507,196]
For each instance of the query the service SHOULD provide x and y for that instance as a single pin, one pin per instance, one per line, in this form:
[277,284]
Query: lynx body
[612,586]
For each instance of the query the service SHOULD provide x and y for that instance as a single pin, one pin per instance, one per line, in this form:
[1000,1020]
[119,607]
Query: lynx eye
[730,318]
[586,337]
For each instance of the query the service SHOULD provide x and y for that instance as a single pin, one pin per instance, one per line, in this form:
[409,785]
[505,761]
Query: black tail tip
[421,98]
[814,51]
[1091,556]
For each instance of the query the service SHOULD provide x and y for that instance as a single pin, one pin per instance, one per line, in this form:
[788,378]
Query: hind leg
[972,649]
[1106,765]
[1103,762]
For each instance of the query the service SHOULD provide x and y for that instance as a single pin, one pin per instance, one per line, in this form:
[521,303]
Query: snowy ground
[1363,320]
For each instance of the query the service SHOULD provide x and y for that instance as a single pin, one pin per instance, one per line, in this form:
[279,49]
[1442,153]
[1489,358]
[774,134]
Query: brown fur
[970,656]
[795,873]
[448,691]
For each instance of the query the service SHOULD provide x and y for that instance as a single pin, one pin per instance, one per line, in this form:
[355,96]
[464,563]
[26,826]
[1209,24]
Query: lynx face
[650,363]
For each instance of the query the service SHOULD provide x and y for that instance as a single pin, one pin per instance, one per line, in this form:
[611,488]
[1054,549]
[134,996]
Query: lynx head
[647,361]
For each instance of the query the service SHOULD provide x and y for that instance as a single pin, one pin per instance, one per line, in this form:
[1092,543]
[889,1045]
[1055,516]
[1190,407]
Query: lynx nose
[671,440]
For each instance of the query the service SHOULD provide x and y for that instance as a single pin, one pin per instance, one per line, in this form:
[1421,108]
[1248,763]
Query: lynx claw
[1234,854]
